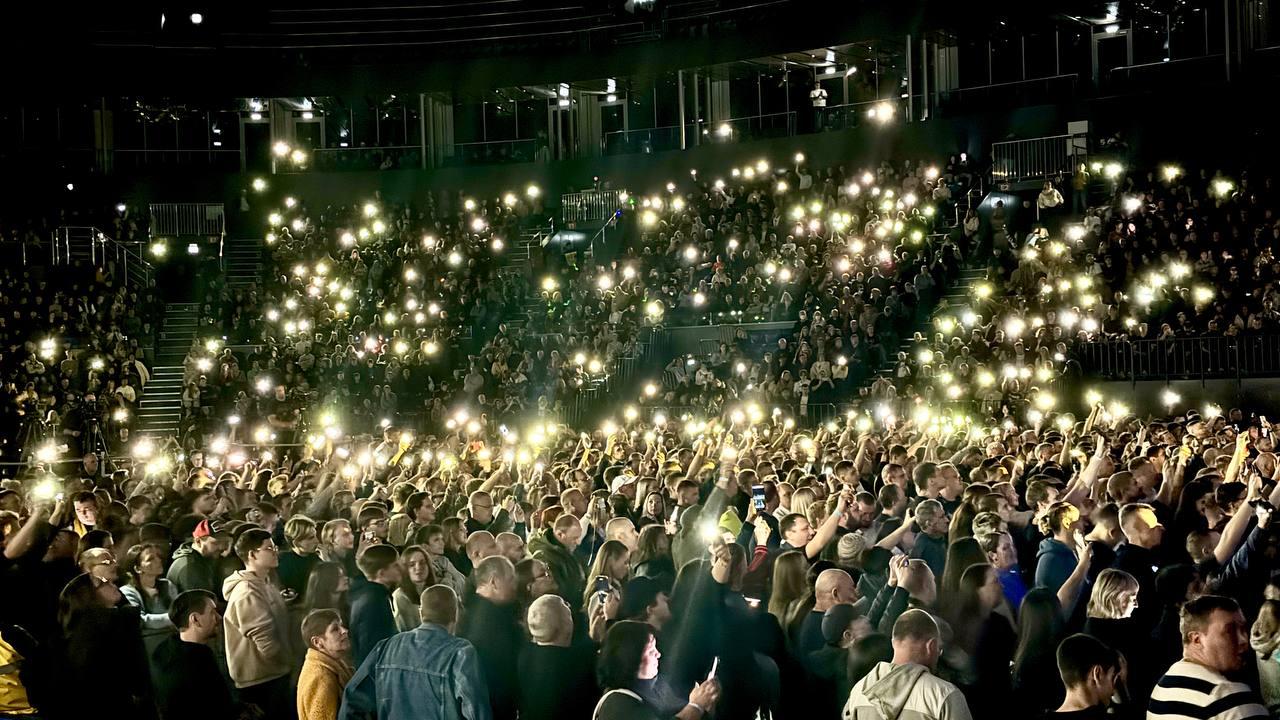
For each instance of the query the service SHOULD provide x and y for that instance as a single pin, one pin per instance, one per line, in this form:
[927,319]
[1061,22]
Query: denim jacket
[423,674]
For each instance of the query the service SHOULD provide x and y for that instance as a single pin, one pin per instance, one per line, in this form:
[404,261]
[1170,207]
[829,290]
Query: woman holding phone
[628,668]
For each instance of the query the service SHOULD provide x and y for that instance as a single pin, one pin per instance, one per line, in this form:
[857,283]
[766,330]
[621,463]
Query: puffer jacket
[256,626]
[904,692]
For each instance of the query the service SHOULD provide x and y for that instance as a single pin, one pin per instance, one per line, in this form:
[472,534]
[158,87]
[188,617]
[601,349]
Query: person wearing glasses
[102,646]
[256,626]
[482,517]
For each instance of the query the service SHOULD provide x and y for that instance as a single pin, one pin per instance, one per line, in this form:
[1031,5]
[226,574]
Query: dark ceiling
[274,48]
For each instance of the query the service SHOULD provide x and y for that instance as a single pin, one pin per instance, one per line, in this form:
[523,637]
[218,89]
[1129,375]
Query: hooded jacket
[1054,564]
[904,692]
[255,624]
[192,571]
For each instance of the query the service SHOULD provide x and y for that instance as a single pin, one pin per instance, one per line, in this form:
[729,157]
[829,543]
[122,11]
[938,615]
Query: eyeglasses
[481,507]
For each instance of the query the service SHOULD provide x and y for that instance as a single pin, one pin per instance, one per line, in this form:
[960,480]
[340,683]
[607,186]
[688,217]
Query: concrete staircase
[160,408]
[957,297]
[242,261]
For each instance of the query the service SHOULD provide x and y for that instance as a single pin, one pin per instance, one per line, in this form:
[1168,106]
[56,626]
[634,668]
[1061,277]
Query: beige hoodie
[256,624]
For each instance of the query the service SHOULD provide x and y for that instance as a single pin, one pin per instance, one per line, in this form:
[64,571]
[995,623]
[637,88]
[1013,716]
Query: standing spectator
[372,619]
[146,590]
[256,625]
[555,547]
[906,686]
[192,687]
[628,659]
[491,624]
[1090,671]
[195,564]
[556,678]
[296,562]
[1215,638]
[394,674]
[326,670]
[102,649]
[418,576]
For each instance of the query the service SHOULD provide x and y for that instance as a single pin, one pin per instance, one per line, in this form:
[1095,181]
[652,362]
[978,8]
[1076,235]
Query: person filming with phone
[628,664]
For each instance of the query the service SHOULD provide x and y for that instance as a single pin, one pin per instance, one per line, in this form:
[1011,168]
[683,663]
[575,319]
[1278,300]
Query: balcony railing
[177,220]
[1037,158]
[493,152]
[1182,358]
[590,206]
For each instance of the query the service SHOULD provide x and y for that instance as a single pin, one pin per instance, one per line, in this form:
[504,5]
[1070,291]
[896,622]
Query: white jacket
[904,692]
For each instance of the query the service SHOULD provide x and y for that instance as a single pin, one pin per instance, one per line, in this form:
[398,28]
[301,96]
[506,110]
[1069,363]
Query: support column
[684,142]
[589,135]
[911,80]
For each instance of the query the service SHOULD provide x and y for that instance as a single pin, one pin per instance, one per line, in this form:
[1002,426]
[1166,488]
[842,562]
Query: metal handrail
[188,220]
[590,205]
[1009,83]
[1219,356]
[73,242]
[1014,160]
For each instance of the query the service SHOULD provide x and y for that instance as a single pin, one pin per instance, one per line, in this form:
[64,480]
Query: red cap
[202,529]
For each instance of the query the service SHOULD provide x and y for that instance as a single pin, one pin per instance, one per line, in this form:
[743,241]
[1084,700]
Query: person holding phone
[627,670]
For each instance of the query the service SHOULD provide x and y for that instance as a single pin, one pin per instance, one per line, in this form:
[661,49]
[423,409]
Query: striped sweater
[1189,691]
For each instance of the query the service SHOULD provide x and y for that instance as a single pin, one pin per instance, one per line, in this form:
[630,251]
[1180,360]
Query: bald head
[550,621]
[481,545]
[833,587]
[622,530]
[510,546]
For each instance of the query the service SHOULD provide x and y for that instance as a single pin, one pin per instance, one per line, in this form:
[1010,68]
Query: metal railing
[1191,70]
[75,243]
[589,206]
[667,137]
[1042,157]
[389,157]
[493,152]
[1033,91]
[175,220]
[1174,358]
[216,159]
[750,127]
[644,140]
[856,114]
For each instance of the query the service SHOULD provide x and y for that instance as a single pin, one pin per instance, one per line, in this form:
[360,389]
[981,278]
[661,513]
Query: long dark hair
[133,560]
[1040,627]
[649,546]
[322,589]
[622,653]
[960,555]
[967,614]
[413,591]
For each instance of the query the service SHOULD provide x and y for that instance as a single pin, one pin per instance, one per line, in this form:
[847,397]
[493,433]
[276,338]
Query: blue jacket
[423,674]
[1054,564]
[372,618]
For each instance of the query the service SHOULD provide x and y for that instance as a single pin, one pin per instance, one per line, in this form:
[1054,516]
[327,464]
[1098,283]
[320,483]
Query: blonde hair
[299,528]
[1105,601]
[1058,517]
[801,499]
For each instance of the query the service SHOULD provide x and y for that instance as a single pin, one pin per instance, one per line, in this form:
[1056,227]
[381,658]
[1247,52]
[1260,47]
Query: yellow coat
[320,685]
